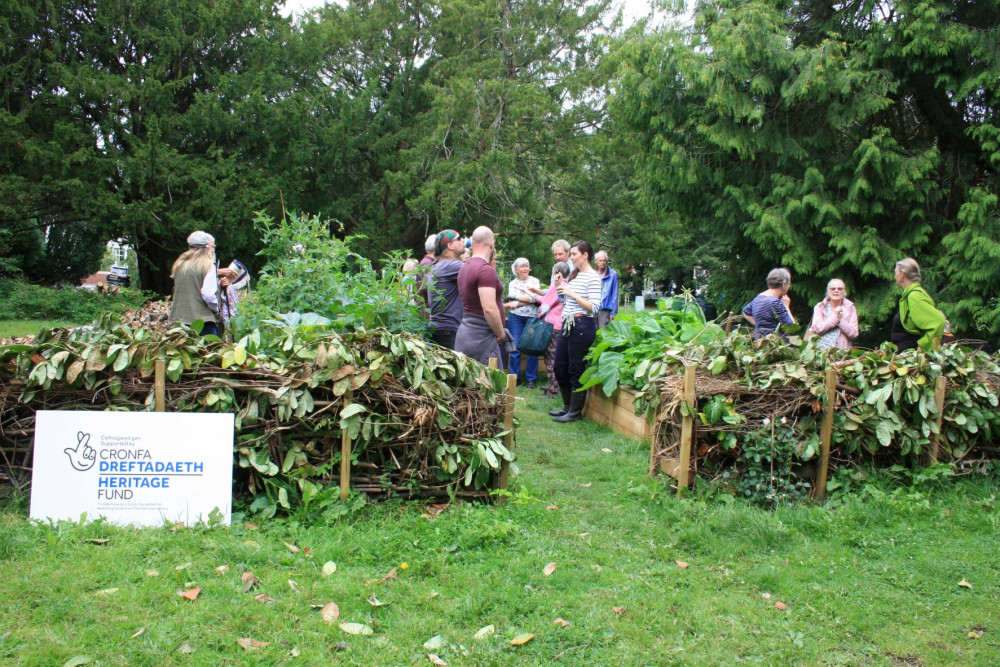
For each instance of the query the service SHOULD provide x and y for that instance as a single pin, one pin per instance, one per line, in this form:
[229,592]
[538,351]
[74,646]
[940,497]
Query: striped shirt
[588,286]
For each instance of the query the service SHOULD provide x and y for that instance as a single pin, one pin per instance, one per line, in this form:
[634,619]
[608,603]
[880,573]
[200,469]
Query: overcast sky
[633,8]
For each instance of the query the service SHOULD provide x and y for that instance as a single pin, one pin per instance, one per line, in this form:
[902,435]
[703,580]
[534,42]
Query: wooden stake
[160,384]
[687,428]
[493,363]
[508,440]
[940,384]
[345,454]
[826,433]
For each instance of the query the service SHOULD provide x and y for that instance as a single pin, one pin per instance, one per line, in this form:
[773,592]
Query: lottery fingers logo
[83,456]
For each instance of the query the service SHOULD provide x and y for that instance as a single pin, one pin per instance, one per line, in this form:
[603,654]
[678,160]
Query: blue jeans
[516,324]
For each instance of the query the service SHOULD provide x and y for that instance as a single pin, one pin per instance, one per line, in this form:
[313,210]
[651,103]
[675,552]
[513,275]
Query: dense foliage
[310,272]
[24,301]
[759,404]
[629,351]
[420,417]
[833,141]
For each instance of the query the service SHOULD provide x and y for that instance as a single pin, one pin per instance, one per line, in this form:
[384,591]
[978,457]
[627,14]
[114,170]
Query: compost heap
[423,420]
[759,408]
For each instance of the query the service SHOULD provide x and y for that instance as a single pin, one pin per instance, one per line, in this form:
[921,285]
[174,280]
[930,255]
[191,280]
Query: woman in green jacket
[919,322]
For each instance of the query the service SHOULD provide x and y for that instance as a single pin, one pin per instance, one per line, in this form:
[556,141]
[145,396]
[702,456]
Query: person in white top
[522,309]
[581,302]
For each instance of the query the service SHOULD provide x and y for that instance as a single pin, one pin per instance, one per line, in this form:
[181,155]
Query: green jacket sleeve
[924,316]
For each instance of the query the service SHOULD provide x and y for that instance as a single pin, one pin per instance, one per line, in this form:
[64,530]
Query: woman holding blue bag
[523,309]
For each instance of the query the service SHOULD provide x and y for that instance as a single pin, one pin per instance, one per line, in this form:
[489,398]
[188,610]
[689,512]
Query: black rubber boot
[566,397]
[575,412]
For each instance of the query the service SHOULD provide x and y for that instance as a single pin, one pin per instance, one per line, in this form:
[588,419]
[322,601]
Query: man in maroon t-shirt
[481,332]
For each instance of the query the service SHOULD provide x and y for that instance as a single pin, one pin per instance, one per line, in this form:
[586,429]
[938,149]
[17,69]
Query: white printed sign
[139,468]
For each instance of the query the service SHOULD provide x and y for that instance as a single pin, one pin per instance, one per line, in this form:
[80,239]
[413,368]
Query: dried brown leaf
[618,610]
[138,632]
[561,622]
[185,648]
[263,597]
[357,629]
[249,644]
[293,585]
[964,583]
[436,660]
[191,594]
[330,612]
[681,564]
[553,507]
[375,602]
[391,575]
[521,640]
[249,581]
[222,569]
[549,569]
[781,605]
[291,547]
[105,592]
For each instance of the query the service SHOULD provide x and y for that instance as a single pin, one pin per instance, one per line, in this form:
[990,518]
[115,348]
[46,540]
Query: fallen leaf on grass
[586,486]
[340,646]
[263,597]
[330,612]
[552,507]
[78,660]
[357,629]
[250,526]
[182,566]
[485,632]
[293,585]
[375,602]
[249,644]
[138,632]
[185,648]
[329,567]
[222,569]
[561,622]
[191,594]
[291,547]
[964,583]
[434,643]
[152,573]
[549,569]
[781,605]
[618,610]
[248,581]
[391,575]
[96,540]
[766,596]
[436,660]
[605,450]
[976,633]
[106,591]
[584,534]
[521,640]
[251,544]
[294,653]
[681,564]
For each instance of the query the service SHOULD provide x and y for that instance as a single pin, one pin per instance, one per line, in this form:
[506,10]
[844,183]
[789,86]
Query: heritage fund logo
[83,456]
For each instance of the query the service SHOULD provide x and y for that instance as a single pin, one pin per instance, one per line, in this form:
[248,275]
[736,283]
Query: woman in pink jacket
[551,309]
[835,319]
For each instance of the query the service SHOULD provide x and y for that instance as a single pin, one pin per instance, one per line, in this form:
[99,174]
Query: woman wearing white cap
[196,284]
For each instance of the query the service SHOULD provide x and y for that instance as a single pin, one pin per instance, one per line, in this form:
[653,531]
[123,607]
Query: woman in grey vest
[196,284]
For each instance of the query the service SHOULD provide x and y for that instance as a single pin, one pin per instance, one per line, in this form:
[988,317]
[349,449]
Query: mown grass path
[873,581]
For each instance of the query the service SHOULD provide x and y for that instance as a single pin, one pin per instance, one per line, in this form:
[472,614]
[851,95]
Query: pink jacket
[554,316]
[847,322]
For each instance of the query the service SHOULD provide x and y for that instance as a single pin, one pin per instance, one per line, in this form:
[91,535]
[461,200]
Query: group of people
[472,313]
[835,319]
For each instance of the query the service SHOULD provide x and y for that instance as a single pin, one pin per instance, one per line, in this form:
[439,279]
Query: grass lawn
[871,581]
[18,328]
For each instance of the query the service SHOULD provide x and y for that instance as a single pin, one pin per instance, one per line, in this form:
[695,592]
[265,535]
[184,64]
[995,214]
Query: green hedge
[24,301]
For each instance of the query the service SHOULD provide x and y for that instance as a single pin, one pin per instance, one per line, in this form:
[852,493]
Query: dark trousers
[444,338]
[571,350]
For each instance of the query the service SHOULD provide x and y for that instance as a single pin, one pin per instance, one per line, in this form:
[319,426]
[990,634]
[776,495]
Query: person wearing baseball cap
[196,284]
[442,288]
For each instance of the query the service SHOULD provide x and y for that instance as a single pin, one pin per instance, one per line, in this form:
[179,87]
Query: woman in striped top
[581,296]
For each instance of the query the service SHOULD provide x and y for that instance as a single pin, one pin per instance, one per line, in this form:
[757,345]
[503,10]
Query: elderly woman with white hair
[523,308]
[769,309]
[835,319]
[196,284]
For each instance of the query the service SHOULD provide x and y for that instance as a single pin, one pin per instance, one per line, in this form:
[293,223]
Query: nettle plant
[310,270]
